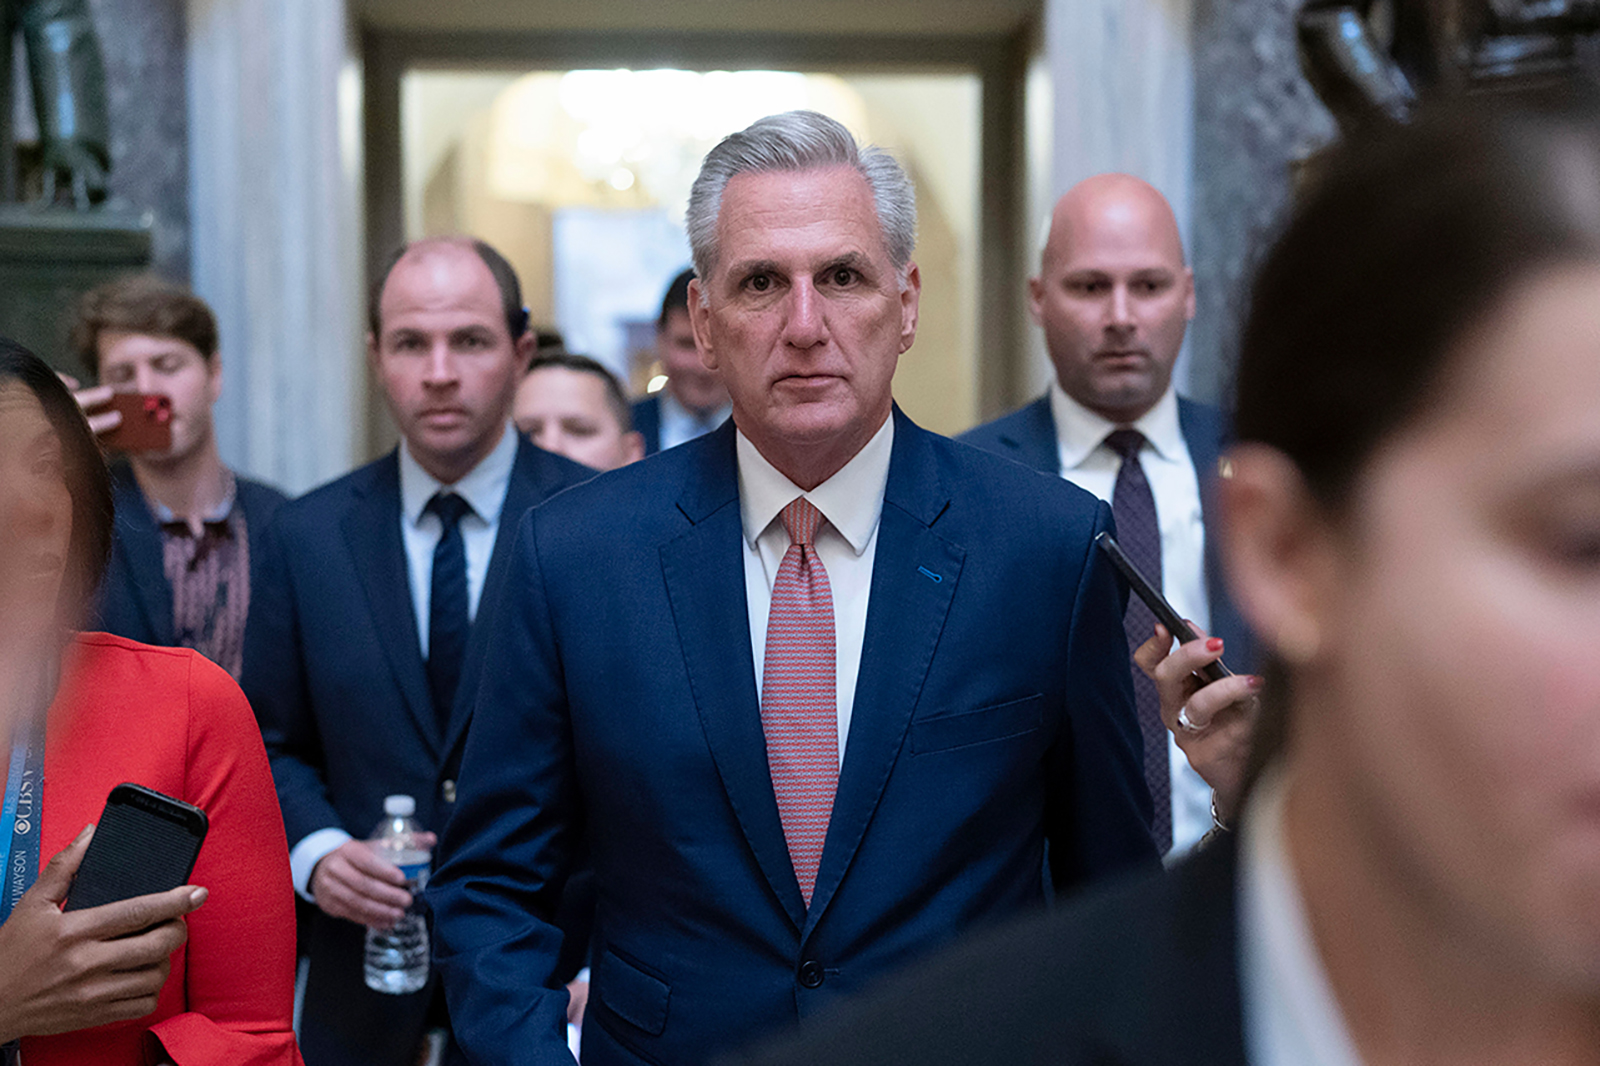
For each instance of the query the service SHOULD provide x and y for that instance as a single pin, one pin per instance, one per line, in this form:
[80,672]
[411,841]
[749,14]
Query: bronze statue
[1370,59]
[68,77]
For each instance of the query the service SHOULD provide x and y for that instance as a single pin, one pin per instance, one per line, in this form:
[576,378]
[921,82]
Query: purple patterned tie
[1134,507]
[798,701]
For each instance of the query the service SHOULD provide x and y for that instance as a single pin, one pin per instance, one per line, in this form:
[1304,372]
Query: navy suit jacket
[1145,974]
[1028,435]
[646,416]
[334,670]
[993,712]
[136,597]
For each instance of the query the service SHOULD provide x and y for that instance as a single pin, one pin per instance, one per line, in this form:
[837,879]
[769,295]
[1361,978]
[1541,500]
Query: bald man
[361,645]
[1114,296]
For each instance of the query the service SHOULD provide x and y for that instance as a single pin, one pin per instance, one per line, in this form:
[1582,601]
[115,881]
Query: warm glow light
[657,383]
[621,179]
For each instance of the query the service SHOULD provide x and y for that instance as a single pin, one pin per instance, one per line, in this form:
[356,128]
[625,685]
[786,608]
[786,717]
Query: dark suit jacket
[1146,974]
[334,670]
[1028,435]
[136,598]
[646,415]
[993,711]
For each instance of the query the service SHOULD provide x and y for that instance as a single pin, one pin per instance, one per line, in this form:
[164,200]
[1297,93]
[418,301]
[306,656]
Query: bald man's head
[1113,294]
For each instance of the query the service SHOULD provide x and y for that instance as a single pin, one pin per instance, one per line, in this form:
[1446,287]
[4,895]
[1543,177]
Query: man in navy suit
[1114,296]
[694,400]
[361,649]
[814,691]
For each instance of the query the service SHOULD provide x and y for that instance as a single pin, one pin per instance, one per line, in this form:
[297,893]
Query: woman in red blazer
[199,975]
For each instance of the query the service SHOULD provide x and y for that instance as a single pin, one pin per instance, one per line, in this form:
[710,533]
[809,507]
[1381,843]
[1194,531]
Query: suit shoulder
[331,498]
[1002,432]
[974,470]
[551,473]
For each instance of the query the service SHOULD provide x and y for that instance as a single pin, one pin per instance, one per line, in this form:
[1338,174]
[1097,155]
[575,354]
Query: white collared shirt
[1290,1015]
[680,425]
[1087,462]
[852,502]
[484,489]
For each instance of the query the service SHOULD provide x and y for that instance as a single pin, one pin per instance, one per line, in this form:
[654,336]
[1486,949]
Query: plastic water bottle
[397,959]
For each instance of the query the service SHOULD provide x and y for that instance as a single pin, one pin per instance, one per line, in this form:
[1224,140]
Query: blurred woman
[1413,527]
[158,978]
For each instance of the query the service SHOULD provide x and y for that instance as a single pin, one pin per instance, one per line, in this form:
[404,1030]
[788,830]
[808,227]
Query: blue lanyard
[24,800]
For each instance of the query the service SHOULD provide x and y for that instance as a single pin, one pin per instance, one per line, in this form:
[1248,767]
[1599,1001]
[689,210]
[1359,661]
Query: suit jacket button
[810,973]
[447,791]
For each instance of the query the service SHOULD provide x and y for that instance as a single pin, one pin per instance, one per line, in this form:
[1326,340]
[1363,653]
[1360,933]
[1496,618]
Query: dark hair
[88,481]
[505,279]
[1409,238]
[676,299]
[615,397]
[141,303]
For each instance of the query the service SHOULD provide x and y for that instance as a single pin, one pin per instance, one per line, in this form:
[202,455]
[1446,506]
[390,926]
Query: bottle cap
[399,806]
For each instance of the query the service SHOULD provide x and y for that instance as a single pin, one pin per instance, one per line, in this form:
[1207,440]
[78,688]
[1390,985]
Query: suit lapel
[372,531]
[139,542]
[522,492]
[704,575]
[914,576]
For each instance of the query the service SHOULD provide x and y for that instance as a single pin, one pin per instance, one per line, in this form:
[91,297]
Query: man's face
[443,355]
[139,362]
[690,381]
[805,318]
[1114,298]
[569,412]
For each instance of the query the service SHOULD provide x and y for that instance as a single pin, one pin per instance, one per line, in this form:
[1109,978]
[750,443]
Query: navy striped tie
[448,624]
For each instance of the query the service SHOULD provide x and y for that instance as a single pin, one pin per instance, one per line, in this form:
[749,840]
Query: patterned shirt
[210,579]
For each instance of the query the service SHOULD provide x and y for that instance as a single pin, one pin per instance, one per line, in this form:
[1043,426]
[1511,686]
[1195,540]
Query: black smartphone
[1156,602]
[144,842]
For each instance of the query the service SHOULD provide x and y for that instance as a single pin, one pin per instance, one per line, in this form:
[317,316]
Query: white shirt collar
[1291,1015]
[484,487]
[851,500]
[672,410]
[1079,431]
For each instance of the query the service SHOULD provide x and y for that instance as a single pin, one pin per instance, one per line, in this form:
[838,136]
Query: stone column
[274,172]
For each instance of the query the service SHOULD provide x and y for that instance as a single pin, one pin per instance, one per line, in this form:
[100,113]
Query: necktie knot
[1125,442]
[450,508]
[801,519]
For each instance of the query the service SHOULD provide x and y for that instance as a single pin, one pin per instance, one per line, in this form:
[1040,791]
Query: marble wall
[1254,114]
[143,42]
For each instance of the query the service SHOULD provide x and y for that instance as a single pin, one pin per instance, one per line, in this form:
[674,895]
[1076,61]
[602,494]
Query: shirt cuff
[303,858]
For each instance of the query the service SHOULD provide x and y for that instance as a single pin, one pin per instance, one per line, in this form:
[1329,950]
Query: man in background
[362,649]
[694,400]
[573,406]
[1114,296]
[186,551]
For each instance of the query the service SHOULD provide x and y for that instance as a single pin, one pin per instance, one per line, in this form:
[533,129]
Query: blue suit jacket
[1028,435]
[646,416]
[993,711]
[334,670]
[136,597]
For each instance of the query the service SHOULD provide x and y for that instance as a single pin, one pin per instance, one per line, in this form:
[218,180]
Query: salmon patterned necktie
[798,703]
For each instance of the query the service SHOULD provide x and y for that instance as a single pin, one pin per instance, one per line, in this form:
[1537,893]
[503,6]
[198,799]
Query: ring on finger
[1185,723]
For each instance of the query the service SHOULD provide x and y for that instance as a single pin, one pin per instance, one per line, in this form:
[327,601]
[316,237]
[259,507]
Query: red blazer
[169,719]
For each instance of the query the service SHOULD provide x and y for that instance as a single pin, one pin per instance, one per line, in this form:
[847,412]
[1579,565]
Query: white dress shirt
[484,488]
[1087,462]
[1290,1015]
[852,502]
[680,425]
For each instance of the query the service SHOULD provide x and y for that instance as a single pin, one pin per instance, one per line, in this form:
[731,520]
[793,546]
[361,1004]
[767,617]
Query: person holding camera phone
[201,973]
[181,562]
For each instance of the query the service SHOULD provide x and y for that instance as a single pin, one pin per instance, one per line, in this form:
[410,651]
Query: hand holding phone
[1164,612]
[145,842]
[146,424]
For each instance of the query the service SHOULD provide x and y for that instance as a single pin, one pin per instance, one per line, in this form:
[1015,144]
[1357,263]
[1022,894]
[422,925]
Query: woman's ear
[1278,550]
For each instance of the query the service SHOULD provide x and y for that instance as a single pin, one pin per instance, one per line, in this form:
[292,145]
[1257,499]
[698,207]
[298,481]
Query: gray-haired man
[837,681]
